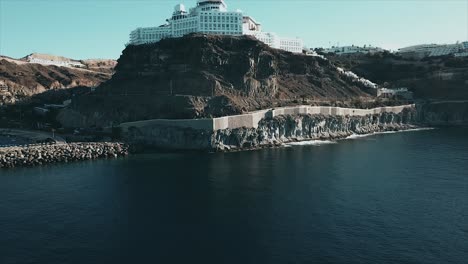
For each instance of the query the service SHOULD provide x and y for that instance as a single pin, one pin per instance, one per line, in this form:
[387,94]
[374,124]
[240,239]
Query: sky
[82,29]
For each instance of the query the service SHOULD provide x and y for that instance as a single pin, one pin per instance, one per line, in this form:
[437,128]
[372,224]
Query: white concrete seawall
[251,120]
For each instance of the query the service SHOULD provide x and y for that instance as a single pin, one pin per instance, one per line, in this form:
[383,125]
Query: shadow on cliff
[200,76]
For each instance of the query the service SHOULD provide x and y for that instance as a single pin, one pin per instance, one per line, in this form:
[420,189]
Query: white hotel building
[435,50]
[367,49]
[212,17]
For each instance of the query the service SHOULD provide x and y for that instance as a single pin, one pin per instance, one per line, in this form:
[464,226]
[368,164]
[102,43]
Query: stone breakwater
[27,156]
[272,131]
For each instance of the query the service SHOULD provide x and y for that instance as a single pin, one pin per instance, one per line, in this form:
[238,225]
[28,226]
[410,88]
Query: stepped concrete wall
[251,120]
[199,124]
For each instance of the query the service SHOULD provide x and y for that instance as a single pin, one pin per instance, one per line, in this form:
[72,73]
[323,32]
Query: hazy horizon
[99,29]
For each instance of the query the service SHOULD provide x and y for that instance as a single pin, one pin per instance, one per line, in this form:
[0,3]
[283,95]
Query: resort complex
[459,49]
[212,17]
[353,49]
[435,50]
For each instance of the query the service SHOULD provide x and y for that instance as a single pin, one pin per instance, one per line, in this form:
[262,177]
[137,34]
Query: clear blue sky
[99,28]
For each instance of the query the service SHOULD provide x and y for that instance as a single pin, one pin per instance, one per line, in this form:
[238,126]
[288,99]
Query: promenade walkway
[25,136]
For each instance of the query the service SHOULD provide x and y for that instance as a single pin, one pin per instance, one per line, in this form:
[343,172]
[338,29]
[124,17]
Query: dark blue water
[396,198]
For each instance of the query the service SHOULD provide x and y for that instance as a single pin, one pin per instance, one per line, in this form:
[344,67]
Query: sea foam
[311,143]
[356,136]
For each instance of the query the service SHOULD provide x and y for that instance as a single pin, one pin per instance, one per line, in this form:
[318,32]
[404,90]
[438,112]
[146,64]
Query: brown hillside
[26,79]
[202,76]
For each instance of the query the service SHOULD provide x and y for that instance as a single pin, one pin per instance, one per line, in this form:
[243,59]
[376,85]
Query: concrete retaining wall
[251,120]
[199,124]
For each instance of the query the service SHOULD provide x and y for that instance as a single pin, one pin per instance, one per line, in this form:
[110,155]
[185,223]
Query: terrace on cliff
[209,76]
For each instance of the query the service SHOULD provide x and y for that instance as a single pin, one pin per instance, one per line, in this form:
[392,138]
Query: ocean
[386,198]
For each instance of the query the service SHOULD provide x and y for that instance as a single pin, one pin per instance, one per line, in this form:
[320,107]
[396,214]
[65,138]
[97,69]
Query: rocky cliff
[208,76]
[273,131]
[444,113]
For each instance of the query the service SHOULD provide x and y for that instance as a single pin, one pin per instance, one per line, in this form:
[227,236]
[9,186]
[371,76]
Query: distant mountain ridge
[38,73]
[46,57]
[103,65]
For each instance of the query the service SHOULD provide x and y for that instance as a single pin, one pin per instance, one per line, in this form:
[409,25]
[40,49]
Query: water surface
[393,198]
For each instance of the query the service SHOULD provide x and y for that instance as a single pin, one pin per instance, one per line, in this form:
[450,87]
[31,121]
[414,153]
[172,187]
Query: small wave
[311,143]
[355,136]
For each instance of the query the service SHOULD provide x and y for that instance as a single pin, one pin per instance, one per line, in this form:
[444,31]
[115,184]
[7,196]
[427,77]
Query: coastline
[330,138]
[354,136]
[42,154]
[267,128]
[416,129]
[270,128]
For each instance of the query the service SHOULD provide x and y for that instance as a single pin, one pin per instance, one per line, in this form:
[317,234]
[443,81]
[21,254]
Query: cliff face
[202,65]
[438,78]
[206,76]
[273,131]
[284,129]
[444,113]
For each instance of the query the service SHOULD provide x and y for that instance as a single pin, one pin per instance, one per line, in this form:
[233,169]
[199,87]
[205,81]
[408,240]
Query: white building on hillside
[434,50]
[464,52]
[418,48]
[354,49]
[399,92]
[46,59]
[461,54]
[212,17]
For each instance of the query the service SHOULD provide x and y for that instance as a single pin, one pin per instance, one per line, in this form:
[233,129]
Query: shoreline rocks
[271,132]
[280,130]
[35,155]
[327,136]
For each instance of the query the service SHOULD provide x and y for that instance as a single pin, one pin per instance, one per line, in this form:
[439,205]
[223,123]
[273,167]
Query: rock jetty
[35,155]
